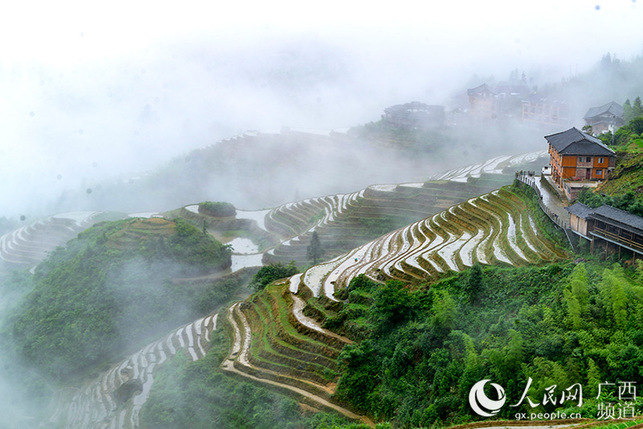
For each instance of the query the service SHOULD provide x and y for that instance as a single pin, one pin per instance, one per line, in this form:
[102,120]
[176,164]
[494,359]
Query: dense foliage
[627,201]
[199,395]
[624,186]
[558,324]
[110,290]
[269,273]
[217,209]
[625,136]
[632,110]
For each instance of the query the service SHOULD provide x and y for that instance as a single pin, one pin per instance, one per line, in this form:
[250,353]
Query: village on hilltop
[578,159]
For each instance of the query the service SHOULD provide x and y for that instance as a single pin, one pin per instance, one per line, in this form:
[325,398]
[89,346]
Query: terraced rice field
[30,244]
[495,228]
[274,343]
[277,336]
[134,230]
[342,221]
[97,404]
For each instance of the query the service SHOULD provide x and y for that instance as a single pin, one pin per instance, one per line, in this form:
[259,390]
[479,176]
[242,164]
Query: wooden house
[503,100]
[578,218]
[576,156]
[608,228]
[608,117]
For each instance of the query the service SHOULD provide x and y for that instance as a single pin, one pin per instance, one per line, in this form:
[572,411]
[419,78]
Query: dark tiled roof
[576,142]
[479,90]
[621,216]
[612,108]
[580,210]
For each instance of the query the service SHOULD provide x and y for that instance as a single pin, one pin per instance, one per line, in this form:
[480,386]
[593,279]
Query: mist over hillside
[147,107]
[82,104]
[166,151]
[259,169]
[262,170]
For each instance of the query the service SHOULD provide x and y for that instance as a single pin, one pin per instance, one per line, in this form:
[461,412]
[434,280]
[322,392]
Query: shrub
[269,273]
[217,209]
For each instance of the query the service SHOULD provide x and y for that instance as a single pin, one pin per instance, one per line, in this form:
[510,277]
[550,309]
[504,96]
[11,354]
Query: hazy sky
[91,91]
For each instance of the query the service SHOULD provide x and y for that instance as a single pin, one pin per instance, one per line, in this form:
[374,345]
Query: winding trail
[478,230]
[298,311]
[239,354]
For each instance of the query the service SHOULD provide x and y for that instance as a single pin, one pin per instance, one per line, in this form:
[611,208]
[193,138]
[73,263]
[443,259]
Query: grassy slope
[108,291]
[627,176]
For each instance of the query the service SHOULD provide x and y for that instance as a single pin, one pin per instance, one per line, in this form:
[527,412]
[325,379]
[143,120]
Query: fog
[102,93]
[90,93]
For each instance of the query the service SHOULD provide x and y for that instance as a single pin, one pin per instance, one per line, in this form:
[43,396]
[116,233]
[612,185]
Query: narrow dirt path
[298,311]
[242,350]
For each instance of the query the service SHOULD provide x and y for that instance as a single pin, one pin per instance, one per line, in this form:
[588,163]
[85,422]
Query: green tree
[628,113]
[269,273]
[578,285]
[613,288]
[392,304]
[573,309]
[473,285]
[217,209]
[576,296]
[636,124]
[637,109]
[315,250]
[444,311]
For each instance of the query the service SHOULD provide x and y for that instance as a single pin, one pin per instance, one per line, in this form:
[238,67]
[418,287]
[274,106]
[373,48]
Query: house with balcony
[608,117]
[578,160]
[608,228]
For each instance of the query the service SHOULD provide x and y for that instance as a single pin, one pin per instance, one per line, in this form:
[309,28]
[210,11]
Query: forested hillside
[559,324]
[623,188]
[110,289]
[420,350]
[460,282]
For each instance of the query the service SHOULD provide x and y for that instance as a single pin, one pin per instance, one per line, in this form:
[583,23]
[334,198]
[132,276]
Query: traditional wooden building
[578,219]
[502,100]
[608,117]
[576,156]
[608,228]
